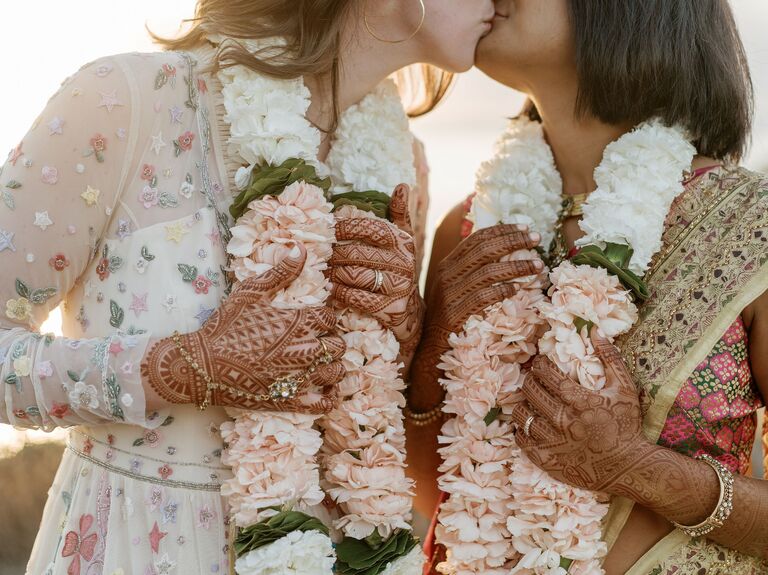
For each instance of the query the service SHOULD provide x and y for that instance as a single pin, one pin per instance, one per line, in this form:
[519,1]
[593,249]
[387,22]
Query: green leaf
[8,200]
[272,180]
[565,563]
[13,185]
[116,314]
[146,255]
[491,416]
[167,200]
[274,528]
[138,442]
[22,289]
[581,323]
[168,421]
[371,201]
[73,376]
[188,273]
[366,557]
[12,379]
[115,263]
[42,295]
[160,80]
[188,178]
[614,259]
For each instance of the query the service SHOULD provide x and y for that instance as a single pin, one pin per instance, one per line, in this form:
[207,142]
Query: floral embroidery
[103,70]
[108,264]
[18,309]
[147,172]
[43,220]
[82,394]
[170,303]
[156,496]
[58,410]
[201,284]
[165,472]
[44,369]
[15,154]
[49,175]
[22,366]
[183,143]
[90,195]
[155,536]
[165,565]
[187,189]
[171,508]
[80,545]
[202,87]
[97,146]
[205,517]
[176,113]
[35,296]
[148,197]
[59,262]
[166,75]
[123,229]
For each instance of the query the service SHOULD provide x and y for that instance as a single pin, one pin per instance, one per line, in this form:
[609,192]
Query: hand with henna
[373,270]
[469,280]
[594,440]
[247,344]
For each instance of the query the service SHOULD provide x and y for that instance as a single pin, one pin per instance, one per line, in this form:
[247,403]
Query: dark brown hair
[680,60]
[312,29]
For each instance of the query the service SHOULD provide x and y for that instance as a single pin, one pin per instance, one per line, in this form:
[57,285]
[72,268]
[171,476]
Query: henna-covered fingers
[494,273]
[374,281]
[399,208]
[542,401]
[536,427]
[277,278]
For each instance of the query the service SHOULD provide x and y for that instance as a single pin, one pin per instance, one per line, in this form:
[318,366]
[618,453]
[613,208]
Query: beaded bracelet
[724,504]
[283,388]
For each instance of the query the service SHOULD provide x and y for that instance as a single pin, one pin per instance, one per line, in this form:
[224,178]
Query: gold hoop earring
[380,39]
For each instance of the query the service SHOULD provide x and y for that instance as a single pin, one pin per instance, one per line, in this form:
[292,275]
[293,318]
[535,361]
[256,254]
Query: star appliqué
[155,536]
[139,304]
[56,126]
[43,220]
[6,241]
[204,313]
[176,232]
[109,100]
[176,114]
[157,143]
[90,195]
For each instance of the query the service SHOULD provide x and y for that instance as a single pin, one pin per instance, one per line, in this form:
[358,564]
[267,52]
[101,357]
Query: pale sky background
[44,41]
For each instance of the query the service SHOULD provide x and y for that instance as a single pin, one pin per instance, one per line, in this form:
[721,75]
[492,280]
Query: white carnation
[410,564]
[639,178]
[298,553]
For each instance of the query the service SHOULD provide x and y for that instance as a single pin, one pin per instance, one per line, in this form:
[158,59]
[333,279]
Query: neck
[577,143]
[365,63]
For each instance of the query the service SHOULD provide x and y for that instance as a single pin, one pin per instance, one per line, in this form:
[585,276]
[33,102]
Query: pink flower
[148,197]
[79,544]
[50,175]
[201,284]
[184,141]
[147,172]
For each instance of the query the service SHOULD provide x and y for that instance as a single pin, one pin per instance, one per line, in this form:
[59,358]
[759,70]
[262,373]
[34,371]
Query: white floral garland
[372,150]
[504,515]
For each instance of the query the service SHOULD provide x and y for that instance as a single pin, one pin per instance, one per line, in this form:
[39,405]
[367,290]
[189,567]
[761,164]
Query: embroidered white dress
[110,208]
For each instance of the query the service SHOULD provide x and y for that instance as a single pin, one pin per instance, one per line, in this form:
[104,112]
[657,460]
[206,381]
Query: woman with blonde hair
[118,205]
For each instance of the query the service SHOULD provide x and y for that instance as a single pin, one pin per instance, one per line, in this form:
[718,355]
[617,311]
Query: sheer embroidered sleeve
[59,188]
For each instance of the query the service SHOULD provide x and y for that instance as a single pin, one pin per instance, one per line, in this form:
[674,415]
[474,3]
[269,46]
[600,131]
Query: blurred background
[44,41]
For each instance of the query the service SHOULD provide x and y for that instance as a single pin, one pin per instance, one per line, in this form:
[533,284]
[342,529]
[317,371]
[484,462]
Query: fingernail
[522,227]
[535,236]
[295,252]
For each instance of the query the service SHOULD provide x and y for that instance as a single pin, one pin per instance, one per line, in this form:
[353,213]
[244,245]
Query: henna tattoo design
[594,440]
[247,344]
[469,280]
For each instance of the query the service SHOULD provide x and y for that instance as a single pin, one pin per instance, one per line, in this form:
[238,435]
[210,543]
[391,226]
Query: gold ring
[325,357]
[527,425]
[379,281]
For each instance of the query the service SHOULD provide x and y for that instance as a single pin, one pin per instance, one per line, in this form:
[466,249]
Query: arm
[59,187]
[595,441]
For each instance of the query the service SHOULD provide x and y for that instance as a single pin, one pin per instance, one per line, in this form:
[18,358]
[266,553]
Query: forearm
[686,491]
[58,382]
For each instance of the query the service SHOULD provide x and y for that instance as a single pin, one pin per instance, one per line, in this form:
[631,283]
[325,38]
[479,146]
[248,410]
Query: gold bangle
[724,503]
[281,389]
[424,418]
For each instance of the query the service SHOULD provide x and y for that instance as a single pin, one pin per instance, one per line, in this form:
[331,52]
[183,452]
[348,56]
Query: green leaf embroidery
[42,295]
[117,315]
[177,148]
[73,376]
[113,392]
[168,421]
[33,411]
[167,200]
[115,263]
[22,289]
[8,200]
[153,182]
[13,185]
[188,178]
[146,255]
[188,273]
[160,80]
[138,442]
[12,379]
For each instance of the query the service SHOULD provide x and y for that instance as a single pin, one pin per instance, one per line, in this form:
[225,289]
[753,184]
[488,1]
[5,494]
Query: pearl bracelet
[724,504]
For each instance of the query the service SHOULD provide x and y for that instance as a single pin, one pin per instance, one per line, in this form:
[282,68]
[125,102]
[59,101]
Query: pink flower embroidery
[169,70]
[165,471]
[49,175]
[59,410]
[103,269]
[201,284]
[59,262]
[183,143]
[148,197]
[147,172]
[202,87]
[80,544]
[88,446]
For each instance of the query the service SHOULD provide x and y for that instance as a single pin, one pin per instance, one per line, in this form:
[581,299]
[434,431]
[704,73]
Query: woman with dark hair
[670,434]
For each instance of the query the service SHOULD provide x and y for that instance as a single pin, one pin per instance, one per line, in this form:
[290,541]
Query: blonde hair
[313,32]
